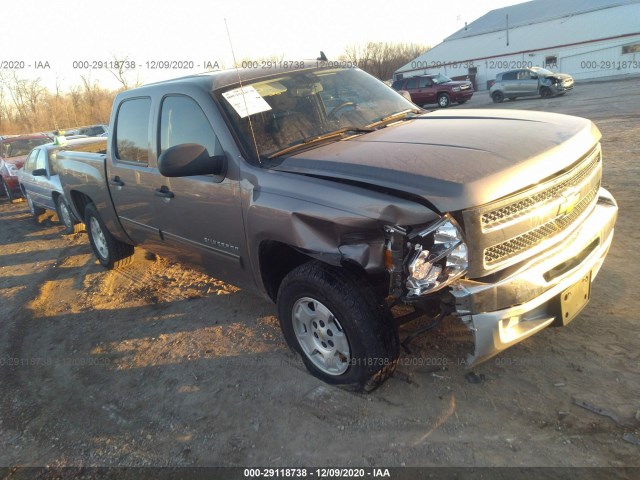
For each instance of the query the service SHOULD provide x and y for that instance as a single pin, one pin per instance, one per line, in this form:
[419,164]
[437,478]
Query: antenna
[235,63]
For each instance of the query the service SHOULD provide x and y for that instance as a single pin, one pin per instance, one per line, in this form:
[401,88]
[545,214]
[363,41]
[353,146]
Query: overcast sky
[61,32]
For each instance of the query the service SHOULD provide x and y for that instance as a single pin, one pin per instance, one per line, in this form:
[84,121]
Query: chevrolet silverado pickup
[328,193]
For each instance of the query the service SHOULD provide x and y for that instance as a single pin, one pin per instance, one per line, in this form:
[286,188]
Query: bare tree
[122,71]
[381,59]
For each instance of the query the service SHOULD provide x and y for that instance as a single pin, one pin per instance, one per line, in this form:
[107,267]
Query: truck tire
[497,97]
[343,332]
[443,100]
[66,217]
[35,211]
[111,252]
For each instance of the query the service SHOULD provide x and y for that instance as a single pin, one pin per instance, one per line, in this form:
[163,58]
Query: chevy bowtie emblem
[568,202]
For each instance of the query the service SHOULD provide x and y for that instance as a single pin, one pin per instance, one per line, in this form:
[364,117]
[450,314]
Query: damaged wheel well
[276,260]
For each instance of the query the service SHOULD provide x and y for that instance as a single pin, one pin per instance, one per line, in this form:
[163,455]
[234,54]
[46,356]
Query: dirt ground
[160,365]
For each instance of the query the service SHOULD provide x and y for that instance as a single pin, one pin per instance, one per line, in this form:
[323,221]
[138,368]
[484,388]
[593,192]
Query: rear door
[129,175]
[510,84]
[414,91]
[200,216]
[427,90]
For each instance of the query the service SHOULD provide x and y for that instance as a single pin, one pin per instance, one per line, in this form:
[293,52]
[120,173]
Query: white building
[587,39]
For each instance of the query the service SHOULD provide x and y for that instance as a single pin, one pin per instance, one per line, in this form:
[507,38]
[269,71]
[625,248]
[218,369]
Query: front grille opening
[519,244]
[516,209]
[572,263]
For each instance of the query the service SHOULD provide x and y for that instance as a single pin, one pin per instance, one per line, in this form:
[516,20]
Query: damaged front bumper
[539,293]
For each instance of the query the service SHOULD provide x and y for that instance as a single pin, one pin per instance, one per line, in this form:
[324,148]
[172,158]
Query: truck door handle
[116,182]
[164,192]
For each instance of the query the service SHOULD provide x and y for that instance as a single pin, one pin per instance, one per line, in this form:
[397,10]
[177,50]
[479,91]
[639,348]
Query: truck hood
[454,159]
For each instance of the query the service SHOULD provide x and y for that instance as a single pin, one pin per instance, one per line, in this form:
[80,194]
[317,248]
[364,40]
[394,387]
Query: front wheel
[33,209]
[66,217]
[343,332]
[111,252]
[443,100]
[545,92]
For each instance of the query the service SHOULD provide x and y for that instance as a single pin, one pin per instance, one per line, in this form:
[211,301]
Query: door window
[425,82]
[29,165]
[41,159]
[412,83]
[131,133]
[183,121]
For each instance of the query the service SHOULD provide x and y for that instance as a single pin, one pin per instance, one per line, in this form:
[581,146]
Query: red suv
[438,89]
[13,152]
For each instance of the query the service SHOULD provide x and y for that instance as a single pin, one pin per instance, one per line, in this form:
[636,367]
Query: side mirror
[188,159]
[39,172]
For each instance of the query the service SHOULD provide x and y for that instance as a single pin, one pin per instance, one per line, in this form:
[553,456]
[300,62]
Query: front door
[200,216]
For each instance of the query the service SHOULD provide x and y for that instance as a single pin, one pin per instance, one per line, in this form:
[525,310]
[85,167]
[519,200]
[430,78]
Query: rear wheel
[343,332]
[497,97]
[111,252]
[443,100]
[71,225]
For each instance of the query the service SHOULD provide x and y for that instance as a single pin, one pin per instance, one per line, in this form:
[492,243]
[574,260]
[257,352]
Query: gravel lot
[160,365]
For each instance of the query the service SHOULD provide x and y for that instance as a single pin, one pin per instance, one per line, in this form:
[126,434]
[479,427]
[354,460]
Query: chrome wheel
[31,206]
[65,215]
[99,240]
[321,336]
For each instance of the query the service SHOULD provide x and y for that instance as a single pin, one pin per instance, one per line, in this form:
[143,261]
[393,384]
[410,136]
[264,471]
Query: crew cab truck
[328,193]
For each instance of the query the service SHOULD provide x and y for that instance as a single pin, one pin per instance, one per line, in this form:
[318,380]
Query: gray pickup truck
[325,191]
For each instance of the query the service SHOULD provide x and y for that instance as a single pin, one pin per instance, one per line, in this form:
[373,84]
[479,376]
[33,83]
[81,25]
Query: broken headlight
[438,256]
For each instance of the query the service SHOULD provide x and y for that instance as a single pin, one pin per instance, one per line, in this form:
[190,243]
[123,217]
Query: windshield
[298,107]
[440,79]
[542,71]
[20,147]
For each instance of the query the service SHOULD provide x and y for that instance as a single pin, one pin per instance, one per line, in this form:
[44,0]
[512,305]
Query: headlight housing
[456,89]
[438,256]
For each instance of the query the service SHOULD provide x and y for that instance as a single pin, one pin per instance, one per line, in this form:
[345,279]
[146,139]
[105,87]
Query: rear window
[21,146]
[132,127]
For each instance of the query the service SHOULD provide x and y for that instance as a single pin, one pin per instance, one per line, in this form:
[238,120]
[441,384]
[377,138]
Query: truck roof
[210,81]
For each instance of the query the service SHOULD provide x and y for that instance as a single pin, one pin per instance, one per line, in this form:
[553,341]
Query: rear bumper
[506,312]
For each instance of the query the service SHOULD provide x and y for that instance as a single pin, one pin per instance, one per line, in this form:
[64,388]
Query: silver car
[40,183]
[529,82]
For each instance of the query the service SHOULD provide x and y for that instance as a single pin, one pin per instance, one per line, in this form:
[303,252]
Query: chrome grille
[517,227]
[517,245]
[508,212]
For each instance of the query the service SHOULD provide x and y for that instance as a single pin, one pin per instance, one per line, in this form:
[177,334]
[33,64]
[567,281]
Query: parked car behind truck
[429,89]
[527,82]
[328,193]
[40,183]
[13,152]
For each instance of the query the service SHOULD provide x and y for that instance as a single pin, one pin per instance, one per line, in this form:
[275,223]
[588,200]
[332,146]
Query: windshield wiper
[310,141]
[394,115]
